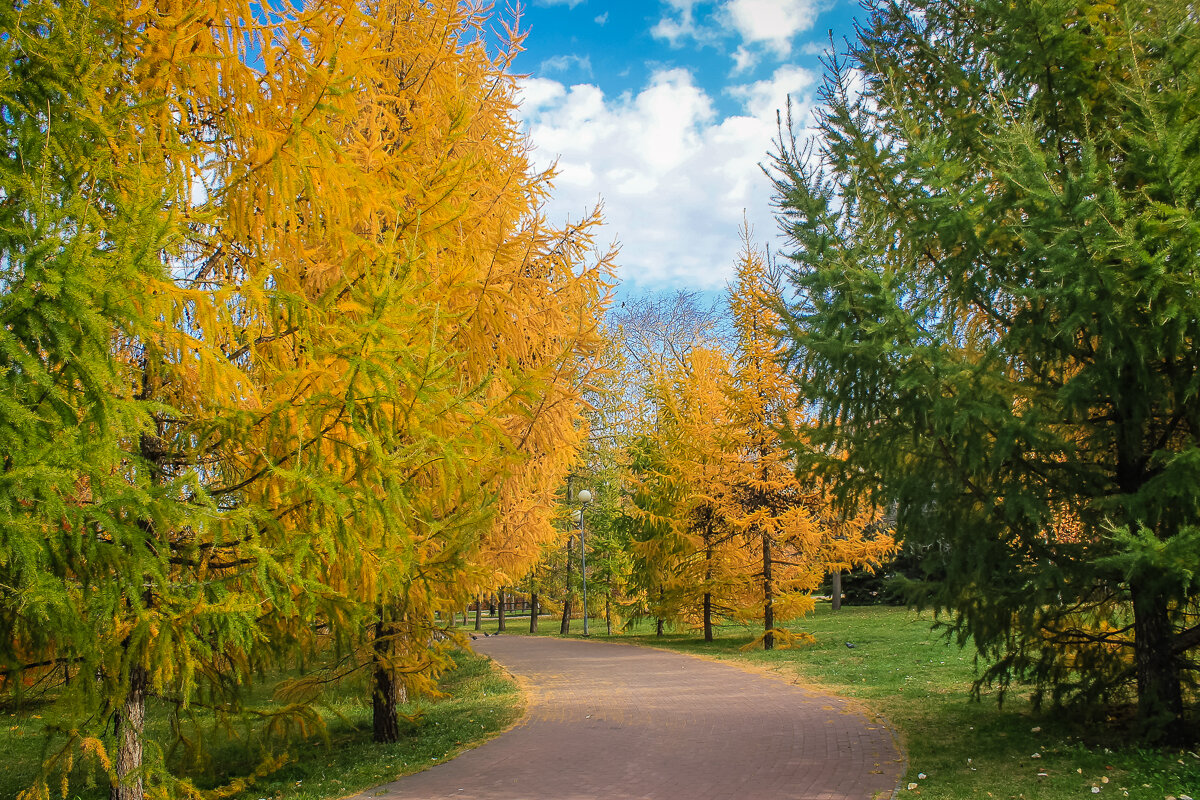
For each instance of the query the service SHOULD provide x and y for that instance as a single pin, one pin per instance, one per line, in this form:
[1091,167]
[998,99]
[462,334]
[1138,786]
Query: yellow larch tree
[498,309]
[786,522]
[706,462]
[689,562]
[661,580]
[352,334]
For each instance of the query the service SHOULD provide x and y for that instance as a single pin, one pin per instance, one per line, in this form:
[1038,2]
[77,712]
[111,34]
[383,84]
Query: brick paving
[614,722]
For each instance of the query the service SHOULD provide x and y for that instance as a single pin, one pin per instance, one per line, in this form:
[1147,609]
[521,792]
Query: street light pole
[584,497]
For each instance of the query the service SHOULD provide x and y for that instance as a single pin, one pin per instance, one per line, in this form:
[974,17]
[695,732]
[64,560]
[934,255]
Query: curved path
[611,721]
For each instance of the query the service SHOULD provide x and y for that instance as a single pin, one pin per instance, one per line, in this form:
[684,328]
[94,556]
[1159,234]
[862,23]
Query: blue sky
[662,110]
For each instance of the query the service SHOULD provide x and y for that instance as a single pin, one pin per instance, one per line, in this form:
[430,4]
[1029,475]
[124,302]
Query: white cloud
[602,19]
[537,93]
[674,176]
[815,48]
[744,60]
[760,26]
[773,23]
[567,3]
[678,25]
[564,63]
[763,98]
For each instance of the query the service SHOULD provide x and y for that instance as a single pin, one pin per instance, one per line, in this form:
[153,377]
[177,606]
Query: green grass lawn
[897,667]
[481,702]
[956,748]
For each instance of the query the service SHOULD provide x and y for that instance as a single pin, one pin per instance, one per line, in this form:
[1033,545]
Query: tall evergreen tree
[995,257]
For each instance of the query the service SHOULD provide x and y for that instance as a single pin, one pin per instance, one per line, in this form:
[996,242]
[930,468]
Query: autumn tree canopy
[293,355]
[689,561]
[784,516]
[721,525]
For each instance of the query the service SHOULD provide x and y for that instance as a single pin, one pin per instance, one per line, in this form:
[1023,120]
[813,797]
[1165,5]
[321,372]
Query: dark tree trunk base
[768,596]
[387,693]
[1159,686]
[565,627]
[385,721]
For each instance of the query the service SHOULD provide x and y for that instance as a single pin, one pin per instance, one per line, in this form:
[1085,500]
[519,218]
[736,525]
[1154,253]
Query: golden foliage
[360,369]
[789,524]
[724,525]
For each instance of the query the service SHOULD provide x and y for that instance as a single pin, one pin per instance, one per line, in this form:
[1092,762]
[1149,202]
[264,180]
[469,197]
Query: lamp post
[584,498]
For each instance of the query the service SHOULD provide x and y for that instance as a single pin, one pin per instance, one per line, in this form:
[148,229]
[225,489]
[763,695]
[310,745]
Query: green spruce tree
[995,251]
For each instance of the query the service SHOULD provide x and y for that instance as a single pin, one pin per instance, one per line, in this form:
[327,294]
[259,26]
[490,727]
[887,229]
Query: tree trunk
[387,693]
[500,609]
[478,614]
[608,611]
[533,612]
[131,718]
[491,605]
[836,580]
[131,725]
[1160,697]
[708,559]
[658,627]
[565,628]
[768,596]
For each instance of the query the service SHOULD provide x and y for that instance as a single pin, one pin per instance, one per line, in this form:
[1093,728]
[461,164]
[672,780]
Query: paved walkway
[611,722]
